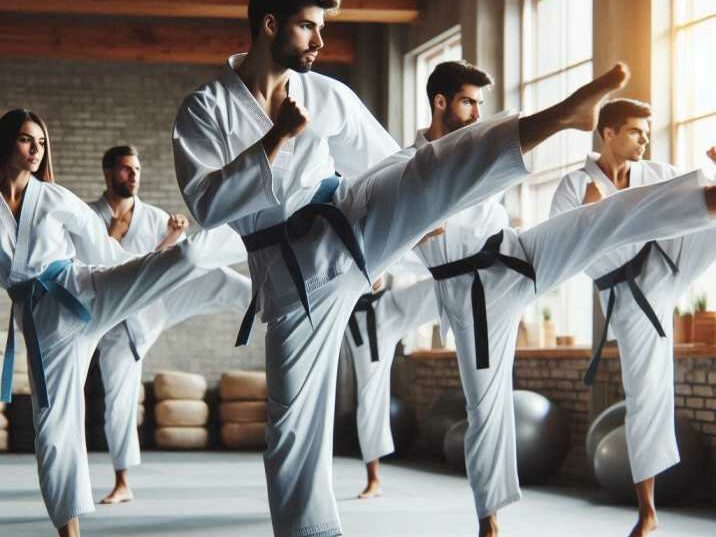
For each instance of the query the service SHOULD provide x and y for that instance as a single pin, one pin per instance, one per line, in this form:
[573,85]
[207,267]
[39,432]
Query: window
[694,127]
[419,63]
[556,58]
[694,103]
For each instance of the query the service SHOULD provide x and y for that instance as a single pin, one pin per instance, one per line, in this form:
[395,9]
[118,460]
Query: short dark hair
[10,126]
[616,112]
[449,77]
[282,10]
[115,153]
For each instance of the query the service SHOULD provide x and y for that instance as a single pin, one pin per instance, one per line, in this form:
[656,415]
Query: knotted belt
[365,304]
[28,293]
[487,257]
[628,272]
[295,227]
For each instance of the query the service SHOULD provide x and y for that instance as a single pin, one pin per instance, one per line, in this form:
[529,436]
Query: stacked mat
[242,410]
[181,415]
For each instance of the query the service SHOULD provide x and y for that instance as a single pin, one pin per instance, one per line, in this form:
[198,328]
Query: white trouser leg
[301,369]
[397,312]
[121,377]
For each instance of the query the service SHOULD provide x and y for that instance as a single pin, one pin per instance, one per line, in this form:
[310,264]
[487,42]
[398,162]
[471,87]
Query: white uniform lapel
[18,272]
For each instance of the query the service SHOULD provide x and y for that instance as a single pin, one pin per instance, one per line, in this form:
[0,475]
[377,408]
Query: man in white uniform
[487,274]
[246,153]
[640,285]
[142,228]
[379,320]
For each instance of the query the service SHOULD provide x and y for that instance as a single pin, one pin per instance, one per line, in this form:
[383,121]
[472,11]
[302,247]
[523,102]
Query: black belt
[295,227]
[485,258]
[628,272]
[365,304]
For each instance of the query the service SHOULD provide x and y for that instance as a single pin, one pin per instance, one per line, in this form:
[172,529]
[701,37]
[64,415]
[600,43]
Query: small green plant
[701,303]
[547,314]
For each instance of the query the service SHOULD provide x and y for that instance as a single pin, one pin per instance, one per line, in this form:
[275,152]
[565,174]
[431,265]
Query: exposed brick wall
[422,380]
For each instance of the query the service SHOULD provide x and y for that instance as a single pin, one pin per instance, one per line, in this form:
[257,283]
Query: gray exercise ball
[542,436]
[454,446]
[603,424]
[611,466]
[440,417]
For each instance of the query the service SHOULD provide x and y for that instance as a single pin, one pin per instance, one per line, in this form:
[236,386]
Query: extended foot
[372,490]
[488,527]
[644,526]
[581,109]
[120,494]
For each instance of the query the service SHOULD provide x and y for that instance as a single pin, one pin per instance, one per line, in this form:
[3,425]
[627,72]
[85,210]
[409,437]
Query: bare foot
[488,526]
[372,490]
[582,107]
[644,526]
[71,529]
[121,494]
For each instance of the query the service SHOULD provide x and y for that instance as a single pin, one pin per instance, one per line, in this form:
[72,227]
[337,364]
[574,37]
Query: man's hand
[119,225]
[177,222]
[594,193]
[291,120]
[711,153]
[434,233]
[176,225]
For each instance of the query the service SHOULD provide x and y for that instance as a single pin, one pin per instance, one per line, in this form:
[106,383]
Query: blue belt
[365,304]
[628,272]
[28,293]
[487,257]
[295,227]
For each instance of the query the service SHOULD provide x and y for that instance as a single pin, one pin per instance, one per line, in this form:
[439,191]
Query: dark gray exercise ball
[608,420]
[611,467]
[447,410]
[454,446]
[403,425]
[542,436]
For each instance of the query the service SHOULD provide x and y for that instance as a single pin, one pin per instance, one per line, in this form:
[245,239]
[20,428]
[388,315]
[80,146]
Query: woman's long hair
[10,125]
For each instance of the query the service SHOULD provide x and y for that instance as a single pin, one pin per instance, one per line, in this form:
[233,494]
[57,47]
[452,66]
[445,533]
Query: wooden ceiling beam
[142,41]
[375,11]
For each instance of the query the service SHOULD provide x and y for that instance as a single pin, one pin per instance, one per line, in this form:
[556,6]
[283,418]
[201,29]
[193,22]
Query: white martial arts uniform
[225,176]
[557,250]
[55,225]
[397,312]
[646,359]
[216,291]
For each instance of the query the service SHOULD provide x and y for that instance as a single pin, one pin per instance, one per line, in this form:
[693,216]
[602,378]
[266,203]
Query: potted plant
[549,332]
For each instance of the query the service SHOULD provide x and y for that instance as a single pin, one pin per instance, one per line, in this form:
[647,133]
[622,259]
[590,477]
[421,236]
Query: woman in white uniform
[64,306]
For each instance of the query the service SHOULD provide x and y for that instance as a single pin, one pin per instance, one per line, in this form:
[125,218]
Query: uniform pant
[218,291]
[397,312]
[647,360]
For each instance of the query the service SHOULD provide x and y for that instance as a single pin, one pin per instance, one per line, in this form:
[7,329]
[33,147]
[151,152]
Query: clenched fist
[177,222]
[292,118]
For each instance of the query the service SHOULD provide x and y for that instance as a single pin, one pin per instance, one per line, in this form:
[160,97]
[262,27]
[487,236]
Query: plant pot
[704,327]
[684,328]
[548,335]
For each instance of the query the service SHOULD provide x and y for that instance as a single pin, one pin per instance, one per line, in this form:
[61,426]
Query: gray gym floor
[223,494]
